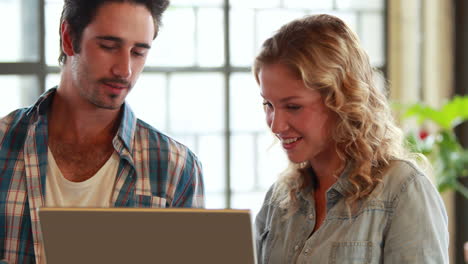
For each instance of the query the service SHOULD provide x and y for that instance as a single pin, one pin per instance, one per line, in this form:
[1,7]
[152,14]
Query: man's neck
[74,121]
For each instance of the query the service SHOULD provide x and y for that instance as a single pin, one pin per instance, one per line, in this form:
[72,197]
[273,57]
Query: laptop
[135,235]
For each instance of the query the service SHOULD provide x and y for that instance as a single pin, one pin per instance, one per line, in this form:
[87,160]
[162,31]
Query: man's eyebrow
[120,40]
[111,38]
[143,45]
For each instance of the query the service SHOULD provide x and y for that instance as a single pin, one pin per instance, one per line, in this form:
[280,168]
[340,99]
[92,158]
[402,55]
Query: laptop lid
[133,235]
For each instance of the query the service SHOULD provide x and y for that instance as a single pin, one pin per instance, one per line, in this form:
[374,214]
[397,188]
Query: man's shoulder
[14,119]
[13,130]
[153,133]
[15,116]
[161,141]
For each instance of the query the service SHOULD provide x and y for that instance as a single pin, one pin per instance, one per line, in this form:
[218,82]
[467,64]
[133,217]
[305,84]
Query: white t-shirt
[93,192]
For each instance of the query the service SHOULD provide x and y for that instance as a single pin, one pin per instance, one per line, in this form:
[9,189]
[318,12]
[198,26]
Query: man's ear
[67,45]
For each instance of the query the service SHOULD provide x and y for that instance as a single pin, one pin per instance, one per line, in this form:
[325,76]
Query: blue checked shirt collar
[127,125]
[42,104]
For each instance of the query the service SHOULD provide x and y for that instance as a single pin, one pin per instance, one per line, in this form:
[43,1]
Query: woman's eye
[293,107]
[267,104]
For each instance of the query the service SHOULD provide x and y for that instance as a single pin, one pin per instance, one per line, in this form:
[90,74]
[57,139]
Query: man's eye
[106,47]
[139,54]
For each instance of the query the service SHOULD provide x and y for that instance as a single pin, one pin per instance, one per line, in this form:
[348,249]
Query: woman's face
[296,115]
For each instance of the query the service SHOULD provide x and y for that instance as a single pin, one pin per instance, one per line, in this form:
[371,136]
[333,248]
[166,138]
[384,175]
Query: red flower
[423,134]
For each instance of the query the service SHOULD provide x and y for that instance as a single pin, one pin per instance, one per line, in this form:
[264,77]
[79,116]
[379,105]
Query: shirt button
[311,216]
[306,251]
[296,247]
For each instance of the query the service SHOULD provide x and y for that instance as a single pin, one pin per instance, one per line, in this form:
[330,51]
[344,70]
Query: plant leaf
[450,115]
[456,110]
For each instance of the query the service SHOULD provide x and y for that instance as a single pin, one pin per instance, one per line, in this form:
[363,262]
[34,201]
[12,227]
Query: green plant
[449,159]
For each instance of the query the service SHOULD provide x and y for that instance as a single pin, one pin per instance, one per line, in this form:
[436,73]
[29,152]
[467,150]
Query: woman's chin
[296,160]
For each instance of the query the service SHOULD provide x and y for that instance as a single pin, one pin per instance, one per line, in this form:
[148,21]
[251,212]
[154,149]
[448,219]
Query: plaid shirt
[154,171]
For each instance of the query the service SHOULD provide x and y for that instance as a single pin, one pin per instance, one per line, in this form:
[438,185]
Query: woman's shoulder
[398,176]
[277,192]
[402,171]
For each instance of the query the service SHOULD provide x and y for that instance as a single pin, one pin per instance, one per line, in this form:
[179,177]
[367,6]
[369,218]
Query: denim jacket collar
[337,191]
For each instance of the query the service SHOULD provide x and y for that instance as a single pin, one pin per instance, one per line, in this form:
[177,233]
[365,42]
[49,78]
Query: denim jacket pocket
[262,247]
[351,252]
[264,235]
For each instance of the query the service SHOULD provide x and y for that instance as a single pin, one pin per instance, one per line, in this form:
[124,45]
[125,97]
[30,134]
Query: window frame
[41,70]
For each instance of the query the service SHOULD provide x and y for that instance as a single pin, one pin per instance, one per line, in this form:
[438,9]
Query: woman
[350,195]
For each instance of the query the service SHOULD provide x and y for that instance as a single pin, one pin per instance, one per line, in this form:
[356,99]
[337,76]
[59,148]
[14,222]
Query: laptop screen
[132,235]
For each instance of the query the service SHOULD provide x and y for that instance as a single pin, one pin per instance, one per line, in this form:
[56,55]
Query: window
[19,54]
[197,86]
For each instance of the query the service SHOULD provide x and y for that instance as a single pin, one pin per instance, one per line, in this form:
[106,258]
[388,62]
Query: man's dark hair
[80,13]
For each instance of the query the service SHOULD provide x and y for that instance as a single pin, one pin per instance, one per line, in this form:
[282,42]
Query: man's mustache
[116,81]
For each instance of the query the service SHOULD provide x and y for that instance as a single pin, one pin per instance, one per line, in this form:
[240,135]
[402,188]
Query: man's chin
[109,105]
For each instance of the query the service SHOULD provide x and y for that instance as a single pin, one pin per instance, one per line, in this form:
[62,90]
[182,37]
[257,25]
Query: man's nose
[122,67]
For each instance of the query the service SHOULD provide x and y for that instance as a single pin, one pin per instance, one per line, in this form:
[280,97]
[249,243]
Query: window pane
[269,21]
[248,200]
[52,80]
[53,10]
[255,164]
[17,91]
[174,45]
[255,3]
[148,99]
[272,160]
[242,36]
[196,2]
[246,104]
[211,152]
[372,37]
[215,200]
[191,141]
[243,162]
[210,41]
[322,4]
[19,20]
[360,4]
[196,103]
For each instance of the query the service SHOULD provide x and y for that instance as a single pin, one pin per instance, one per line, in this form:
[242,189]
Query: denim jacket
[402,221]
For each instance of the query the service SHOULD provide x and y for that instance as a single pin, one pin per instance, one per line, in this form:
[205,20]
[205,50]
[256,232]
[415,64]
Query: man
[80,144]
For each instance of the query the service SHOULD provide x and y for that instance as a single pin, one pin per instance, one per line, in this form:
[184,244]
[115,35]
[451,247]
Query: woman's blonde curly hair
[326,55]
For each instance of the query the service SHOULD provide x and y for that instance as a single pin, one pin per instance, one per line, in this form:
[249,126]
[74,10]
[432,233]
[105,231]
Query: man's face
[114,47]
